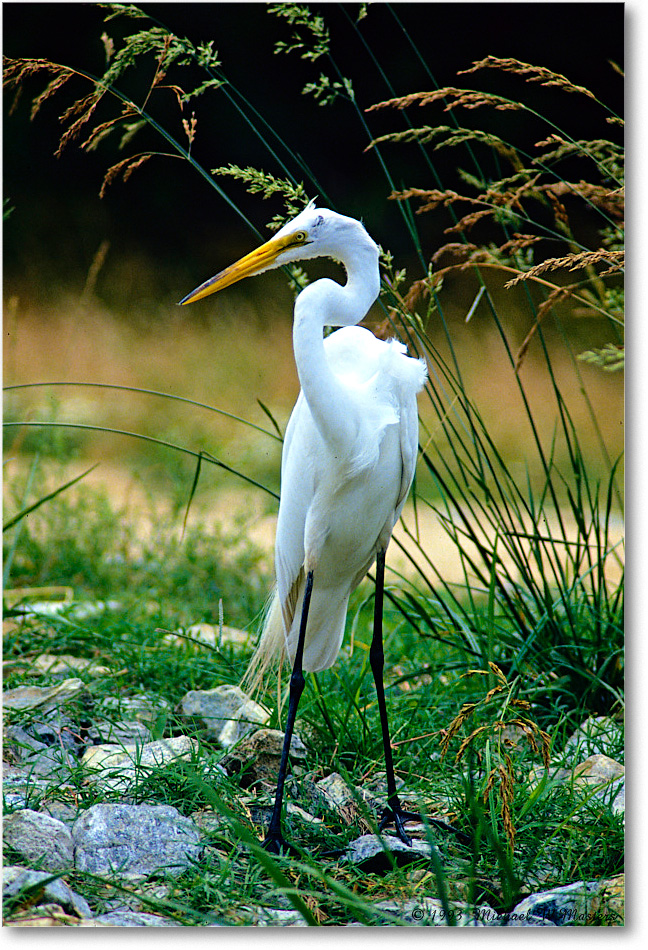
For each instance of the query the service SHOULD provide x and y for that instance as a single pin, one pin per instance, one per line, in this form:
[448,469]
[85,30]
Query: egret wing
[297,490]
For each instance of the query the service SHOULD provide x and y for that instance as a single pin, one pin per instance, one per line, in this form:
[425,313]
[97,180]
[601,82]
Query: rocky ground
[48,835]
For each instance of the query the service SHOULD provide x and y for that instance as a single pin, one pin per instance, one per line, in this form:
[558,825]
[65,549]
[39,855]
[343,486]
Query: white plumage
[347,466]
[337,508]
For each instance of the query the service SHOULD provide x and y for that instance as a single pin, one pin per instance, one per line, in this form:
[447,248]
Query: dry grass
[231,362]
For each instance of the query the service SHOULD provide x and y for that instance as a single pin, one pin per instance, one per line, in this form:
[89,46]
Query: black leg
[394,810]
[274,840]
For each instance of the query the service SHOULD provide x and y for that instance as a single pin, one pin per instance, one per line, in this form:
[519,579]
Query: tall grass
[540,607]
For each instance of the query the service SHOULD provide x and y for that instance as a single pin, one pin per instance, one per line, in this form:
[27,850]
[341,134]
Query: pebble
[116,768]
[257,756]
[57,891]
[207,634]
[142,708]
[133,841]
[130,918]
[62,665]
[39,839]
[42,698]
[430,912]
[594,736]
[605,777]
[374,854]
[579,903]
[225,712]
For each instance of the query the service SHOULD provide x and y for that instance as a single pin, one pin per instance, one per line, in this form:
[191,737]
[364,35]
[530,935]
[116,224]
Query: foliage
[534,182]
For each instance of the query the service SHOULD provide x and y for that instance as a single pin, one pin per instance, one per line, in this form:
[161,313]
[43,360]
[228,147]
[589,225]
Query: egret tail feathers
[325,631]
[270,650]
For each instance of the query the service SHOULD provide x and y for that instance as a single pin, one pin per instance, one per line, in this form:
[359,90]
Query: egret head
[314,232]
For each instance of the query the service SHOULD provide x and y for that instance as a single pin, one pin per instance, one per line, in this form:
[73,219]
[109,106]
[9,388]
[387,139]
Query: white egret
[347,465]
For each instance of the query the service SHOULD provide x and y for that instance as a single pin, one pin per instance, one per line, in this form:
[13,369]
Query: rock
[21,787]
[134,840]
[117,767]
[576,904]
[210,635]
[607,776]
[56,891]
[80,610]
[120,732]
[342,799]
[41,697]
[369,852]
[226,712]
[261,810]
[595,736]
[45,915]
[62,810]
[64,664]
[598,770]
[56,730]
[555,774]
[429,912]
[611,908]
[53,758]
[258,755]
[275,917]
[143,708]
[210,822]
[39,839]
[130,918]
[55,765]
[20,743]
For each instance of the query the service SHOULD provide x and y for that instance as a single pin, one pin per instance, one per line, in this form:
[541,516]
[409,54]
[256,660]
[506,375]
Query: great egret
[347,466]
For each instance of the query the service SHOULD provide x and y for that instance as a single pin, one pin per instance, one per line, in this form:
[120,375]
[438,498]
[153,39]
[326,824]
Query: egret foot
[396,815]
[277,844]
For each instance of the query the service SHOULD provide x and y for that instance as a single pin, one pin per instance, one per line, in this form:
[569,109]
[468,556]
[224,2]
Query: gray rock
[258,756]
[120,732]
[369,852]
[57,892]
[39,838]
[41,697]
[56,730]
[207,634]
[21,787]
[605,778]
[226,712]
[117,768]
[21,743]
[598,777]
[135,840]
[350,803]
[275,917]
[132,918]
[45,749]
[55,765]
[62,810]
[561,905]
[429,912]
[143,708]
[336,794]
[595,736]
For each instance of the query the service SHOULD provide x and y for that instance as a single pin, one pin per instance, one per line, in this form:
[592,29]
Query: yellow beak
[258,260]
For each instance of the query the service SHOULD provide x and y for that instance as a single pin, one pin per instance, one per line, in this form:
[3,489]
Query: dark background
[168,229]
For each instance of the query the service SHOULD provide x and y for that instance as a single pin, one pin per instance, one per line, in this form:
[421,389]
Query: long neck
[327,303]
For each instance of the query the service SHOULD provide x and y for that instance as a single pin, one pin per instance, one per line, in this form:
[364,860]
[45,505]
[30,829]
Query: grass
[557,838]
[526,631]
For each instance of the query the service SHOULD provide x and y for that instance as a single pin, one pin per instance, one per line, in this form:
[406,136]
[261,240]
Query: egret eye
[300,237]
